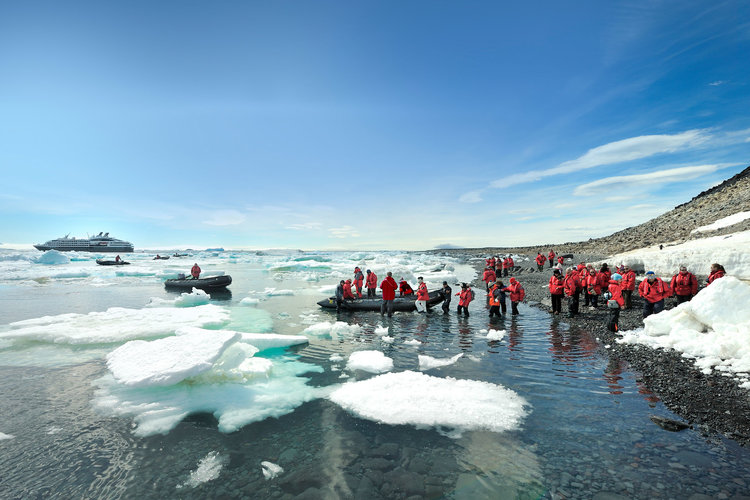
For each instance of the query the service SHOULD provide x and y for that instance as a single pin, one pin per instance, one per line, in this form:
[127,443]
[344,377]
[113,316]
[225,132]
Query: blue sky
[364,125]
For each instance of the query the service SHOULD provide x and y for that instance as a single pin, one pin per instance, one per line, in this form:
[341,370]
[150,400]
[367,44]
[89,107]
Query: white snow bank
[713,328]
[169,360]
[270,470]
[428,362]
[369,361]
[732,251]
[208,469]
[413,398]
[338,329]
[52,257]
[723,222]
[116,324]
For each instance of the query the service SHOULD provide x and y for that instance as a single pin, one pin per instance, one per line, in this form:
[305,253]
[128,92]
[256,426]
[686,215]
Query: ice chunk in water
[423,401]
[369,361]
[270,469]
[428,362]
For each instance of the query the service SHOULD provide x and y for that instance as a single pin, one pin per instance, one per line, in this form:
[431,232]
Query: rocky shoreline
[711,404]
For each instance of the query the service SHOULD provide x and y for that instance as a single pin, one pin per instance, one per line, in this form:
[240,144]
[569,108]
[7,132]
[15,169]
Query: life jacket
[653,292]
[556,286]
[494,300]
[628,280]
[684,284]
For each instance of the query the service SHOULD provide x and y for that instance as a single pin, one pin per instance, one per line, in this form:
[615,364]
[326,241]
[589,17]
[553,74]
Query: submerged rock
[669,424]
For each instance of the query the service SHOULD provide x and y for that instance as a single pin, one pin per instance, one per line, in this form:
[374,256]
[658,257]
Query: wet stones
[668,423]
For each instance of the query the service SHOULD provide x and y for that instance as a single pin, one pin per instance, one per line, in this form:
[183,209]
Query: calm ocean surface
[587,430]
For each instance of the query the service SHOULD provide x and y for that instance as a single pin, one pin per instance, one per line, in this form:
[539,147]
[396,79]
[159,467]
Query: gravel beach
[712,404]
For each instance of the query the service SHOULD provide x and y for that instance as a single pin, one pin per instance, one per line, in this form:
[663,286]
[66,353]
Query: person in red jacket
[508,265]
[560,260]
[551,258]
[359,278]
[404,288]
[717,271]
[517,294]
[348,295]
[594,288]
[466,295]
[540,260]
[422,296]
[556,290]
[615,303]
[389,287]
[684,285]
[654,291]
[572,287]
[628,285]
[195,271]
[488,277]
[372,284]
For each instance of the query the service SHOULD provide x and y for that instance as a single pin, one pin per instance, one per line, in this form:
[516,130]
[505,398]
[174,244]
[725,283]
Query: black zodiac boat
[365,304]
[103,262]
[206,284]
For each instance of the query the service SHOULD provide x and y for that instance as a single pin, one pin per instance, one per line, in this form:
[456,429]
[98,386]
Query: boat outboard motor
[181,276]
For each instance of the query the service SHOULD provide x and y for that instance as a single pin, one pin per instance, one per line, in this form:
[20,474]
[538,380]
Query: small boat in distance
[205,284]
[404,304]
[103,262]
[159,257]
[102,242]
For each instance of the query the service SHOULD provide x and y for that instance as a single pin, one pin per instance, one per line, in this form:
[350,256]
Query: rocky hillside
[728,198]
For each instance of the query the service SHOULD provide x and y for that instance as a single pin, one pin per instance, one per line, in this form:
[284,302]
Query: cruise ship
[99,243]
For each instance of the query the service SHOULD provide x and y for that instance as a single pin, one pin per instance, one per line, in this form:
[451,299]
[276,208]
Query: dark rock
[668,423]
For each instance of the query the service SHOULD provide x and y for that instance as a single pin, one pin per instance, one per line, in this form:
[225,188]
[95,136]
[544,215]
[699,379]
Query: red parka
[654,292]
[556,285]
[489,275]
[615,288]
[517,293]
[628,280]
[684,283]
[405,288]
[593,283]
[571,284]
[389,287]
[348,290]
[372,280]
[465,296]
[551,256]
[195,271]
[541,259]
[422,293]
[715,275]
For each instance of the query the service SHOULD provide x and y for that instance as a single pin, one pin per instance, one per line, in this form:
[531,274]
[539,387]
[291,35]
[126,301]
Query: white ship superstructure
[102,242]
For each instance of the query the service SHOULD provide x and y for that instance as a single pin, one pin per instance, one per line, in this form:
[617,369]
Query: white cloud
[306,226]
[630,149]
[471,197]
[225,218]
[344,232]
[717,83]
[619,182]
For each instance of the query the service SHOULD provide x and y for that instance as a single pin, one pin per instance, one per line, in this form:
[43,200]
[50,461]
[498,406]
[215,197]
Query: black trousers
[386,305]
[514,307]
[683,298]
[573,304]
[446,305]
[556,303]
[370,292]
[466,310]
[627,295]
[495,311]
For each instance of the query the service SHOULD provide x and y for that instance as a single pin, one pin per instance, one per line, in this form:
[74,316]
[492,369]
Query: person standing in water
[447,292]
[422,296]
[389,287]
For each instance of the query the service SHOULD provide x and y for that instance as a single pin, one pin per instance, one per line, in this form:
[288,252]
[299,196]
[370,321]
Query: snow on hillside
[713,329]
[731,251]
[723,222]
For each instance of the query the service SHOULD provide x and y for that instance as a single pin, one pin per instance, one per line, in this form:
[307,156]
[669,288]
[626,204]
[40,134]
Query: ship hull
[91,248]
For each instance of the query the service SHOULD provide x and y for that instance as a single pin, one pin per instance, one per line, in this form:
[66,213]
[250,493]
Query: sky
[364,125]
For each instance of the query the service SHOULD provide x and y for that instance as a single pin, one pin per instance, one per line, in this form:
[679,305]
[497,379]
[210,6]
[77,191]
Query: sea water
[112,387]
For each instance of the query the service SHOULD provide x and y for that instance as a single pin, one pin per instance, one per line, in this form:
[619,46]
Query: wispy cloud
[343,232]
[630,149]
[225,218]
[717,83]
[306,226]
[471,197]
[621,182]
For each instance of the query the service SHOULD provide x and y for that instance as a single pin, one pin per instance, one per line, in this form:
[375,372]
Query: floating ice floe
[428,362]
[496,334]
[449,405]
[52,257]
[338,329]
[369,361]
[196,297]
[116,324]
[273,292]
[208,469]
[249,301]
[413,342]
[713,328]
[336,357]
[169,360]
[386,339]
[270,470]
[4,436]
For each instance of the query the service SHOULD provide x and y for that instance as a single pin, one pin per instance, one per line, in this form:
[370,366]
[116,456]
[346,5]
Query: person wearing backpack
[615,303]
[517,294]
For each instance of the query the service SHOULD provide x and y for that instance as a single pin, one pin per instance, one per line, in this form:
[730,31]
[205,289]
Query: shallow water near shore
[587,429]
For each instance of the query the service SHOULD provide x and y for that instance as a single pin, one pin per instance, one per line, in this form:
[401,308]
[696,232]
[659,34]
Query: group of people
[500,266]
[550,257]
[618,287]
